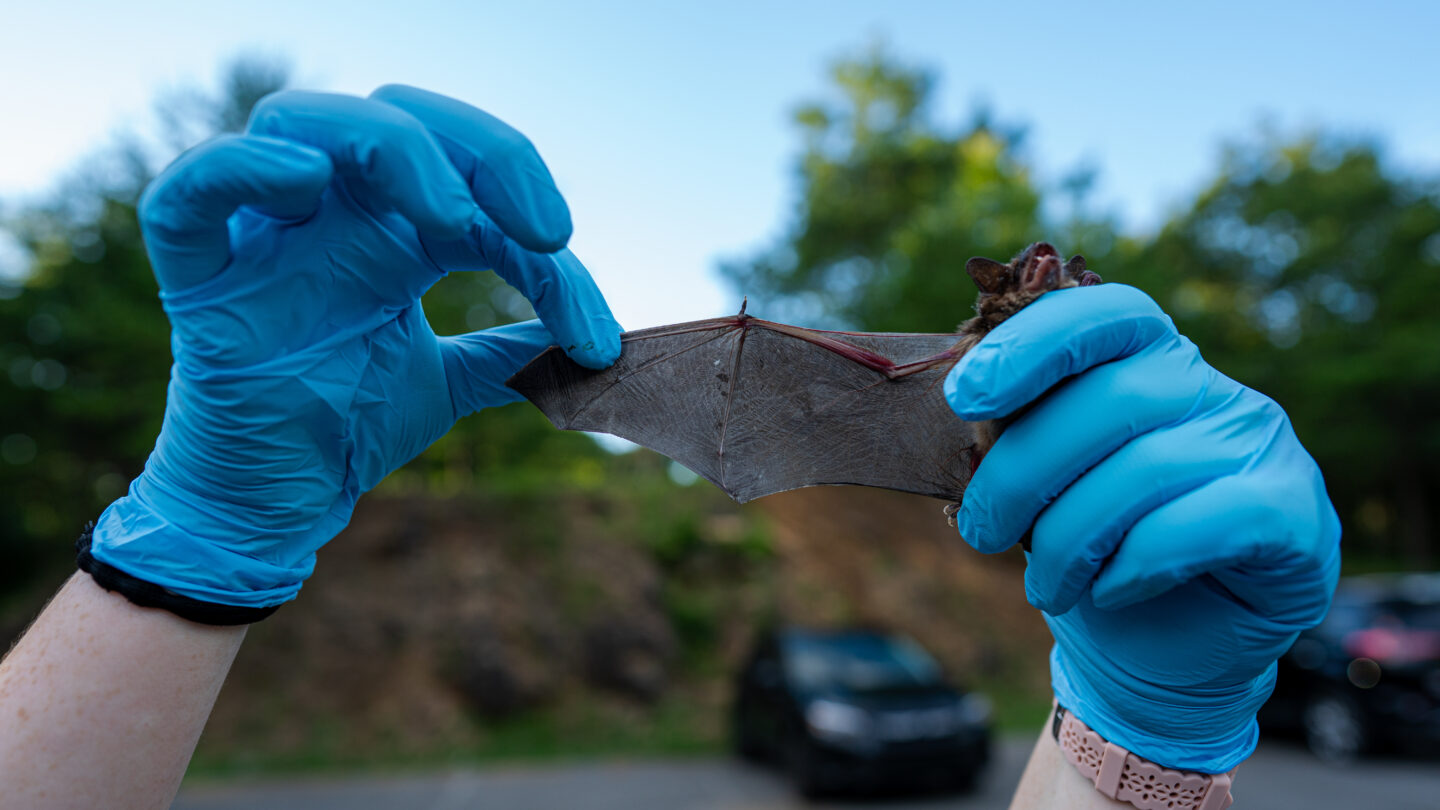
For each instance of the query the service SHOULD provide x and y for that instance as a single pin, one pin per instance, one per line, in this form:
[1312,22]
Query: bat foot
[951,509]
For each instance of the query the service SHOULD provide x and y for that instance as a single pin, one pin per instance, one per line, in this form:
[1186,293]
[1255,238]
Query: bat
[758,407]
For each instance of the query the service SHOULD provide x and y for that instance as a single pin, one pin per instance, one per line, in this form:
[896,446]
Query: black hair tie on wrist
[148,594]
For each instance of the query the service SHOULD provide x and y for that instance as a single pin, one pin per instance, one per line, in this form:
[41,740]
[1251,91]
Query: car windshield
[1418,617]
[858,663]
[1349,613]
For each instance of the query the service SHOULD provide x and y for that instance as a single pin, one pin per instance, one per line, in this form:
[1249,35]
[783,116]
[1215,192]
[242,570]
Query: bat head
[1007,288]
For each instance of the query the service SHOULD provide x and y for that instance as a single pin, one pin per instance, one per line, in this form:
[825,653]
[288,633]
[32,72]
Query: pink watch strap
[1120,775]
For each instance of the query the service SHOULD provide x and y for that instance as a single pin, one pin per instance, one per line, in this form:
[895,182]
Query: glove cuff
[150,595]
[1205,734]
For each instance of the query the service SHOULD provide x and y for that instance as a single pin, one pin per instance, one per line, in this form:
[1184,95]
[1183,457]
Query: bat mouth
[1042,249]
[1040,270]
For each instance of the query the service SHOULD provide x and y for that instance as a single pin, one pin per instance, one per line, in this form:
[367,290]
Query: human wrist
[1122,776]
[1050,782]
[146,594]
[104,701]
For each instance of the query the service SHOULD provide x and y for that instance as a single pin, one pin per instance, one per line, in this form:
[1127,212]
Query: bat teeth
[1043,249]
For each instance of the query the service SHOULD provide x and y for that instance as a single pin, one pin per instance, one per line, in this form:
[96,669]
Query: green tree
[1308,270]
[86,356]
[84,343]
[891,206]
[85,353]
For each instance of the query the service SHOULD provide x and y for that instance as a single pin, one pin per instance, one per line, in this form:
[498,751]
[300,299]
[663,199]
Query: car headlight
[840,722]
[975,710]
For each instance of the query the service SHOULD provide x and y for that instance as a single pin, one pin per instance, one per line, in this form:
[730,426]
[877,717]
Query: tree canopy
[1305,269]
[85,351]
[1308,270]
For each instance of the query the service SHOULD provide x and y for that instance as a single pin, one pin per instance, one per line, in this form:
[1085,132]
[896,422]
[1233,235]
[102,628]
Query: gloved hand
[1182,536]
[291,260]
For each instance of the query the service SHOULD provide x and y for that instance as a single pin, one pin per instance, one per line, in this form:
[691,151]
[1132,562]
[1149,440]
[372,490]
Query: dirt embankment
[432,621]
[883,558]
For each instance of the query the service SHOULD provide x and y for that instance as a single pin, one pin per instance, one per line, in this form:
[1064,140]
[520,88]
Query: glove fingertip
[478,363]
[505,173]
[1107,596]
[965,527]
[1121,585]
[1063,333]
[1114,597]
[1036,599]
[607,353]
[597,352]
[550,226]
[975,534]
[1050,598]
[529,208]
[398,92]
[965,398]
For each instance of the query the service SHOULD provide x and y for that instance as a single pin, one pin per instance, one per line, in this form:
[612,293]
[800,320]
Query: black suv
[857,710]
[1369,676]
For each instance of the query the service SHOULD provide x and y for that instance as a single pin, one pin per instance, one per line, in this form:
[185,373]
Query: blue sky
[667,123]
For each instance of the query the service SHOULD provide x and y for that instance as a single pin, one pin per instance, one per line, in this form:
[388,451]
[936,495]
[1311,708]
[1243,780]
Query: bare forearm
[102,702]
[1051,782]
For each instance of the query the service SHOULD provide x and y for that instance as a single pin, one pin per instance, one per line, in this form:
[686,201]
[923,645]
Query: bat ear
[1075,267]
[989,275]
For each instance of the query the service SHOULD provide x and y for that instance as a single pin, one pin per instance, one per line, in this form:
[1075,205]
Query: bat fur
[1005,289]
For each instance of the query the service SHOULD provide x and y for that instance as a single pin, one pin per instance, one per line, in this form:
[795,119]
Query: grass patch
[574,730]
[1016,709]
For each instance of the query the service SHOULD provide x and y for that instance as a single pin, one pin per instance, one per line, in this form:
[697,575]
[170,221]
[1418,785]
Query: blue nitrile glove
[1182,536]
[291,260]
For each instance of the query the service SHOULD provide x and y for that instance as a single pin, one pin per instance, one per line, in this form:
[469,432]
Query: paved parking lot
[1278,777]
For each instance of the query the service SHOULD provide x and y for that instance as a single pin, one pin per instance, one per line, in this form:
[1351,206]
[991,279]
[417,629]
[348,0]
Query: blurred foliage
[1307,269]
[83,341]
[892,204]
[84,350]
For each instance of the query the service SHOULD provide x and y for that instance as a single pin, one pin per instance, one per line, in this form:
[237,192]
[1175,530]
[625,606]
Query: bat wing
[757,407]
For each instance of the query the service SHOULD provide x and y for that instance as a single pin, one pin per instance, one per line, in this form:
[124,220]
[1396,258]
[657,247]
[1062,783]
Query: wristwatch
[1123,776]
